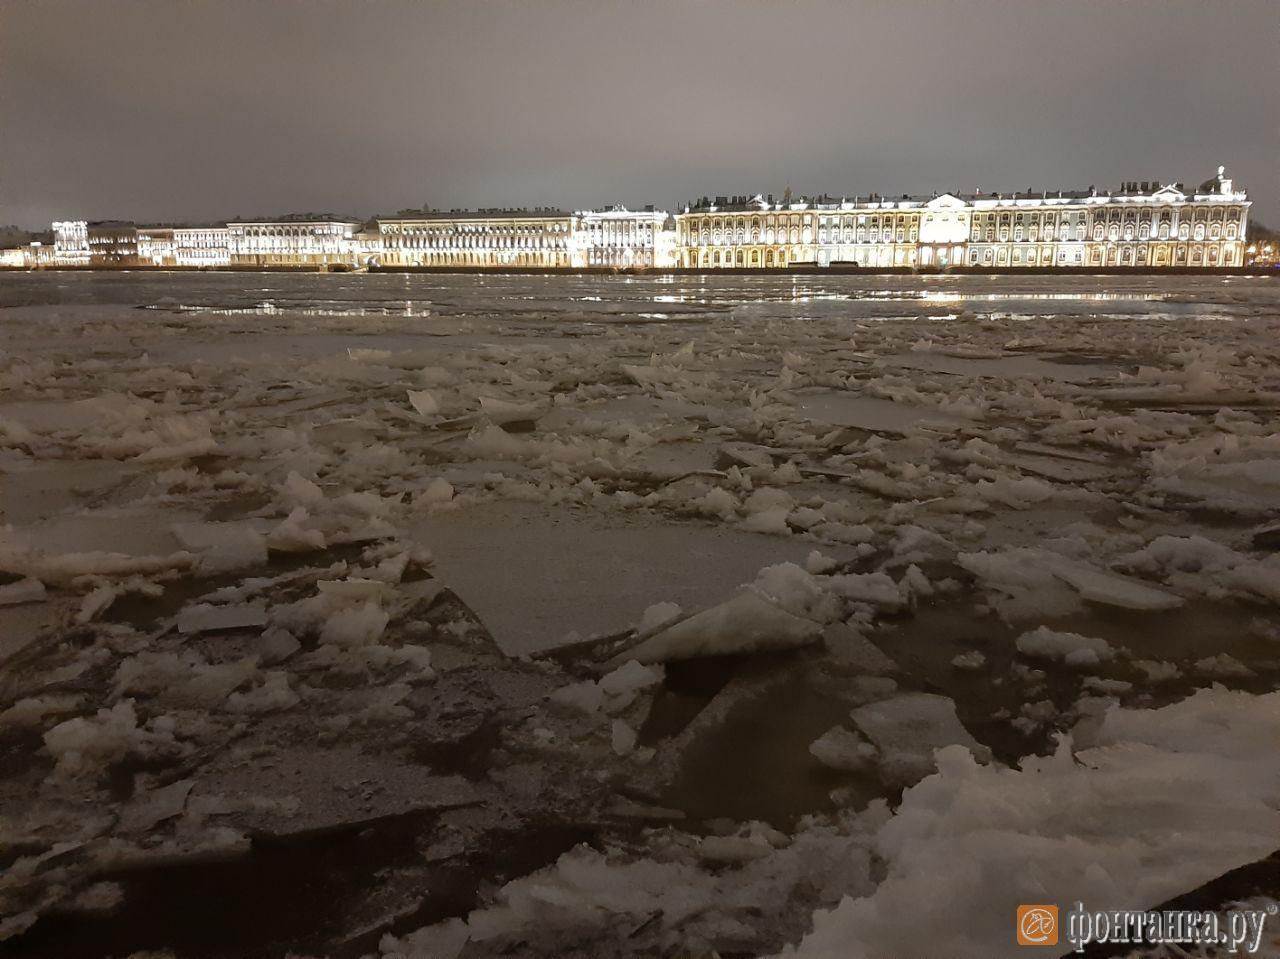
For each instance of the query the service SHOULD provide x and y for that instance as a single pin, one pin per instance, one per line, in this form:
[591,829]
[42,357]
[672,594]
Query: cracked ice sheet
[535,575]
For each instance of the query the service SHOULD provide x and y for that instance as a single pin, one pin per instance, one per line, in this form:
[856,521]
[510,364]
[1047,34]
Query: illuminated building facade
[202,246]
[498,238]
[618,238]
[304,240]
[155,246]
[746,232]
[1140,225]
[71,242]
[612,238]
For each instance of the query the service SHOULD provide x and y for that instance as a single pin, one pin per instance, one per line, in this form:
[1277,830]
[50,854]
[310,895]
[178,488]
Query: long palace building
[1142,225]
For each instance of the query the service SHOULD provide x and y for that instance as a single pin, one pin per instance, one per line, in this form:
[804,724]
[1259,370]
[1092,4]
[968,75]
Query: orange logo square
[1037,925]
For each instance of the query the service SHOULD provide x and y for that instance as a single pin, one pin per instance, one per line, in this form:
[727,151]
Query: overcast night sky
[158,110]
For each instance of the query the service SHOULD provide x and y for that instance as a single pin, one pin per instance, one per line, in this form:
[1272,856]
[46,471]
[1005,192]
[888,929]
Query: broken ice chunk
[970,660]
[746,623]
[1071,648]
[771,521]
[277,645]
[272,696]
[718,502]
[1223,666]
[1099,587]
[740,454]
[791,588]
[206,618]
[223,547]
[842,749]
[89,743]
[504,411]
[613,692]
[655,616]
[423,402]
[1157,671]
[32,710]
[362,625]
[586,696]
[630,678]
[876,588]
[300,491]
[291,536]
[816,563]
[96,603]
[907,729]
[153,807]
[444,940]
[768,500]
[622,738]
[439,490]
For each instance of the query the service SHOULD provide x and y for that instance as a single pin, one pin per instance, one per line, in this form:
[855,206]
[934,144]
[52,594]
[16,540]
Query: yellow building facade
[1140,225]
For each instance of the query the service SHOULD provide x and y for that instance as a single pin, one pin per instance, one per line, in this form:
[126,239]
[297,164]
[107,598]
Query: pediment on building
[946,201]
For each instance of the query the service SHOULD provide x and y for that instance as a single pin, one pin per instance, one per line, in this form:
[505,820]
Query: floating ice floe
[1028,576]
[1071,648]
[746,623]
[424,402]
[839,748]
[204,618]
[972,660]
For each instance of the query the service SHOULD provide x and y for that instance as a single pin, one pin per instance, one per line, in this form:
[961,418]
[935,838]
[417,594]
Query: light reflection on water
[605,298]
